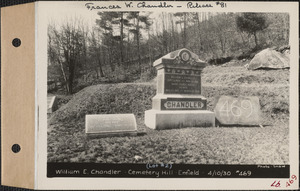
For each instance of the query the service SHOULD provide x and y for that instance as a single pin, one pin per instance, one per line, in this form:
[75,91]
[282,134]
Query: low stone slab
[156,119]
[109,125]
[240,110]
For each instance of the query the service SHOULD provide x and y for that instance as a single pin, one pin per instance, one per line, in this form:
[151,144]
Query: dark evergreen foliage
[251,23]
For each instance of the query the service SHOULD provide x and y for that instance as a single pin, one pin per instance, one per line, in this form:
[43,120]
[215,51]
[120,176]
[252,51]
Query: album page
[167,95]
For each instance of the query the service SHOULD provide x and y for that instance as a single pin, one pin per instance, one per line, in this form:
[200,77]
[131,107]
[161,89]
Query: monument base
[156,119]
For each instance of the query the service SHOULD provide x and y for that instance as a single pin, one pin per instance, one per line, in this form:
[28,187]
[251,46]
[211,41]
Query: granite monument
[178,101]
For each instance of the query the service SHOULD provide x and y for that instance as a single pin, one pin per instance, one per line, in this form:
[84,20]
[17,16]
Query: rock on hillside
[271,59]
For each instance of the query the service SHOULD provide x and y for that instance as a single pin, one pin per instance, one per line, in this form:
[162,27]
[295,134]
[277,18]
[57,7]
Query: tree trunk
[184,30]
[127,50]
[181,31]
[223,45]
[99,62]
[138,42]
[85,51]
[97,73]
[255,38]
[71,75]
[109,59]
[173,33]
[199,34]
[165,41]
[64,75]
[122,36]
[244,42]
[149,49]
[100,68]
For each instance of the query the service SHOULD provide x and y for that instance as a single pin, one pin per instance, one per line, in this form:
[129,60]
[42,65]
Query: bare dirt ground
[67,141]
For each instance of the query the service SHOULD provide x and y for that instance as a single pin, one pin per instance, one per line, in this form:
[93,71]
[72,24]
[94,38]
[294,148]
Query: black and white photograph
[161,92]
[149,95]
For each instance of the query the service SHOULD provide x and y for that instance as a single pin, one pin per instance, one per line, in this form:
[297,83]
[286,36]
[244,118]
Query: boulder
[282,49]
[270,59]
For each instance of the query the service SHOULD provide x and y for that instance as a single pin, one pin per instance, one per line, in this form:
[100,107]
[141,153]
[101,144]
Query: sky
[60,12]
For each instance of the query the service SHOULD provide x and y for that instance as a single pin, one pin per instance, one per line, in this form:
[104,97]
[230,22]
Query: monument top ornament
[182,57]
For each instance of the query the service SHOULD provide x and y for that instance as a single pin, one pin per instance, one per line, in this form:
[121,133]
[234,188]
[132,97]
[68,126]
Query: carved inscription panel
[181,83]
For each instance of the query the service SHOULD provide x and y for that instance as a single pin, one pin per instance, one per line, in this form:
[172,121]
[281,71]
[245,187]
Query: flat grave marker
[108,125]
[241,110]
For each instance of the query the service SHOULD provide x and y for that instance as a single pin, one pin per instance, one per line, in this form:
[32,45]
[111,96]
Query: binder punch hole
[16,42]
[16,148]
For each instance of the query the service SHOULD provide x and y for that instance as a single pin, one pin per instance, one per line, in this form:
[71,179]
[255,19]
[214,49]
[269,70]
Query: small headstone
[51,104]
[240,110]
[109,125]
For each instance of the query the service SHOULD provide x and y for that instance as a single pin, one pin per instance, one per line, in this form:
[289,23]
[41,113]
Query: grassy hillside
[235,145]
